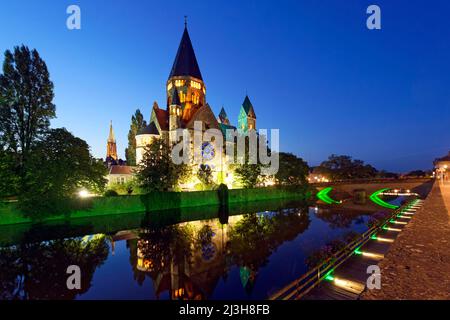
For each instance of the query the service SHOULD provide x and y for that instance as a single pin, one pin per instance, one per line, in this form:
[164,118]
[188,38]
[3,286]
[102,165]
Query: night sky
[311,68]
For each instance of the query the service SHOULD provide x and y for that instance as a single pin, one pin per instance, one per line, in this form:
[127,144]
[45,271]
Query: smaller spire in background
[223,117]
[111,136]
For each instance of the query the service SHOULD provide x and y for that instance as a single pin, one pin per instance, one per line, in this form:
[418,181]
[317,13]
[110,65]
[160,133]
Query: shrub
[111,193]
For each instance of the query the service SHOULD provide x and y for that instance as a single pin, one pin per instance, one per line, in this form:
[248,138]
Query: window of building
[195,98]
[196,85]
[180,83]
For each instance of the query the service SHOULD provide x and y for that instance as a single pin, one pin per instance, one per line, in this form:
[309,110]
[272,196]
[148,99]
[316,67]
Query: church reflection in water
[187,260]
[189,254]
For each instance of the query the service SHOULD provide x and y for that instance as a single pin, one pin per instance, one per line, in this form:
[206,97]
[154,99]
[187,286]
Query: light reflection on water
[243,256]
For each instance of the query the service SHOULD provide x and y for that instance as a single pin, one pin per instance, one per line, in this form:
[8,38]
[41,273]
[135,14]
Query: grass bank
[111,224]
[159,201]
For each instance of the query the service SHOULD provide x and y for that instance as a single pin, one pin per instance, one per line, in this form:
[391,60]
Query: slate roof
[248,107]
[185,63]
[223,117]
[150,129]
[224,127]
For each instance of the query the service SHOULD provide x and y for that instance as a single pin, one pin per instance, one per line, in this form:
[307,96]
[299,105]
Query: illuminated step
[403,217]
[381,239]
[348,285]
[392,229]
[397,222]
[372,255]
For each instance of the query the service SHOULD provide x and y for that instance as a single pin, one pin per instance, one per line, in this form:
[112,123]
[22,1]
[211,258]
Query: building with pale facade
[442,167]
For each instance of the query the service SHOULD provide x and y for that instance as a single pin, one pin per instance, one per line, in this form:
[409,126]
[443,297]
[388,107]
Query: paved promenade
[417,265]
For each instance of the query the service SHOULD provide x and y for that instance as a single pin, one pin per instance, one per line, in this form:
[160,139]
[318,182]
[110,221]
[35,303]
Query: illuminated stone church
[186,103]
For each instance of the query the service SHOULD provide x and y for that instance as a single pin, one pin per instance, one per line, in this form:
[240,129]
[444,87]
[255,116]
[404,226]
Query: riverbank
[158,201]
[111,224]
[417,264]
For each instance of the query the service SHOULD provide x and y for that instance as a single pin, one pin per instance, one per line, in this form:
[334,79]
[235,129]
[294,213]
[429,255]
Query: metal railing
[370,181]
[300,287]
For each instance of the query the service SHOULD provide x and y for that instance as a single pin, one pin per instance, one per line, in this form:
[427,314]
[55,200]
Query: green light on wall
[329,276]
[374,197]
[323,195]
[357,251]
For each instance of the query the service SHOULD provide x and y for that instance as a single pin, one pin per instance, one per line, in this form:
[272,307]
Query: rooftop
[185,63]
[121,170]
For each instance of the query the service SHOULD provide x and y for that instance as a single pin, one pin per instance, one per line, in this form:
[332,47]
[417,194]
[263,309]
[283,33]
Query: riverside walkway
[417,265]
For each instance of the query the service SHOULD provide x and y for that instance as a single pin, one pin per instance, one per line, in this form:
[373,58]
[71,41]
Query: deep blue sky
[311,68]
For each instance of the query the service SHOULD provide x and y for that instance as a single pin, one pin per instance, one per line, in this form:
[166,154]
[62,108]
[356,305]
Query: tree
[58,167]
[386,174]
[36,270]
[8,178]
[204,174]
[344,168]
[127,188]
[249,174]
[137,123]
[292,171]
[26,95]
[416,173]
[157,172]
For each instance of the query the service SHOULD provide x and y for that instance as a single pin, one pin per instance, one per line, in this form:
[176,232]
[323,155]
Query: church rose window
[208,151]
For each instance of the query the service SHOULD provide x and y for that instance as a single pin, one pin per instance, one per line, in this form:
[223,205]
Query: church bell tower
[185,77]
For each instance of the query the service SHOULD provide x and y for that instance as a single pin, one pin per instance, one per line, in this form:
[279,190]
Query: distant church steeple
[111,147]
[186,77]
[223,117]
[247,116]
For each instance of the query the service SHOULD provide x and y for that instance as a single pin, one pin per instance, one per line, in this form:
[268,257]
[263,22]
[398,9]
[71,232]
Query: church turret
[186,77]
[111,147]
[223,117]
[175,111]
[247,116]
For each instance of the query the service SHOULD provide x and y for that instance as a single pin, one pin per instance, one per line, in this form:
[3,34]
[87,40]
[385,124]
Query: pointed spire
[248,107]
[111,137]
[185,63]
[175,98]
[223,117]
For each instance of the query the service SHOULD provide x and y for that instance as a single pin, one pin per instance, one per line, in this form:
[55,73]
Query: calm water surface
[195,254]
